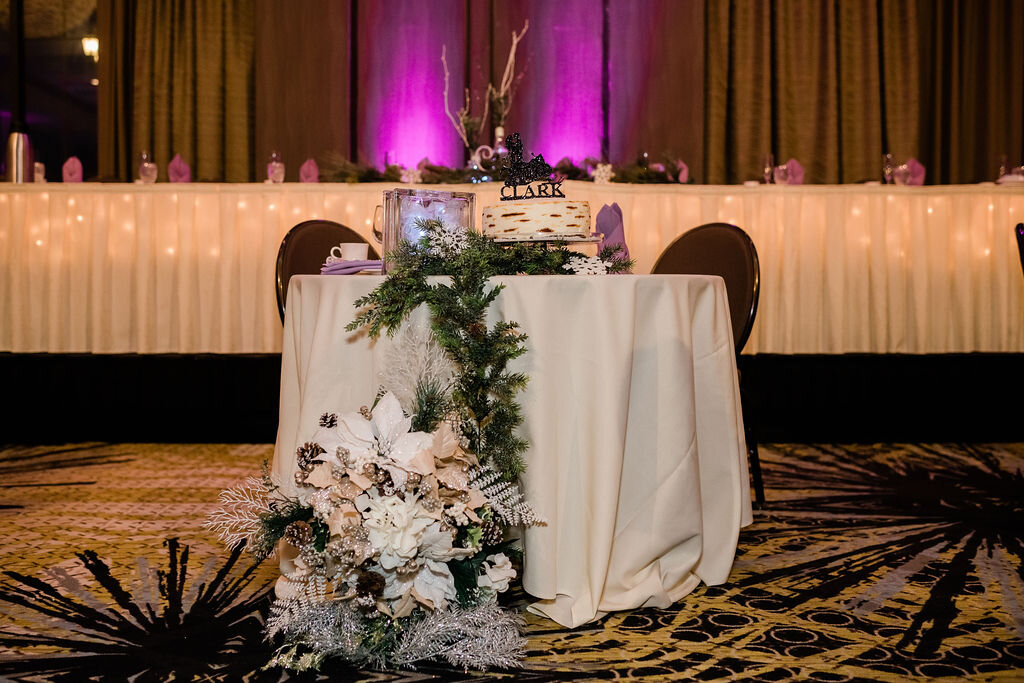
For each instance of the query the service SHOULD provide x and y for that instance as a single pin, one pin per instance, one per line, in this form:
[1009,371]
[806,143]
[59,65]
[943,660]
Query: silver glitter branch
[505,498]
[237,518]
[481,637]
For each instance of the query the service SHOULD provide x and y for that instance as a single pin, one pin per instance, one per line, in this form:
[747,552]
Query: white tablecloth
[190,268]
[637,456]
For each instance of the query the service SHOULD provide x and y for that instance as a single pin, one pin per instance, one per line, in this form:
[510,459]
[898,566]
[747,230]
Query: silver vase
[20,166]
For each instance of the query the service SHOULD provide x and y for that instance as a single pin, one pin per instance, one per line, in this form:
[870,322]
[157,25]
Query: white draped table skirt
[637,457]
[189,268]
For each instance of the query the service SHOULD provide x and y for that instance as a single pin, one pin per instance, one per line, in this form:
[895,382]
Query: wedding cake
[537,220]
[532,205]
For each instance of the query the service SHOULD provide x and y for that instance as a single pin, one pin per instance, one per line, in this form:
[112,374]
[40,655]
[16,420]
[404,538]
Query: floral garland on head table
[393,551]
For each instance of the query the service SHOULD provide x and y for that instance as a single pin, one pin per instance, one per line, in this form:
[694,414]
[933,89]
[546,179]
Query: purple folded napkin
[682,172]
[609,224]
[916,172]
[178,171]
[72,170]
[349,267]
[796,172]
[309,172]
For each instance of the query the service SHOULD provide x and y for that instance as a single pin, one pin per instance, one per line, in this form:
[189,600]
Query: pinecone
[493,533]
[477,330]
[329,420]
[307,454]
[299,534]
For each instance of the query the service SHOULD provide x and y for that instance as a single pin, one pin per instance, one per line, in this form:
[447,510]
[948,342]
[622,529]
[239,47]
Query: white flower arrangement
[411,176]
[603,174]
[389,512]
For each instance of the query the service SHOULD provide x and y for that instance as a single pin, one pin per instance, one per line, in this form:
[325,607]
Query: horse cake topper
[519,173]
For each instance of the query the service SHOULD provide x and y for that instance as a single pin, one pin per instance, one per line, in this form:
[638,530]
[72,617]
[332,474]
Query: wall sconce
[91,47]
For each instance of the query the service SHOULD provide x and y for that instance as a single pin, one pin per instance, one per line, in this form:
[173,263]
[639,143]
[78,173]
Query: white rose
[498,572]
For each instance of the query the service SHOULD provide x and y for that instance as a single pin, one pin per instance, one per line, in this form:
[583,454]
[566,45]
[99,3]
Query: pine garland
[485,390]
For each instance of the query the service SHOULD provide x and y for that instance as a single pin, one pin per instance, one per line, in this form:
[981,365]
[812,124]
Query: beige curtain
[836,84]
[193,72]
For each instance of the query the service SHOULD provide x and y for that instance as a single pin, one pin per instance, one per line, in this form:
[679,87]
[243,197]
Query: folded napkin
[682,172]
[178,171]
[796,172]
[309,172]
[72,170]
[609,224]
[349,267]
[916,172]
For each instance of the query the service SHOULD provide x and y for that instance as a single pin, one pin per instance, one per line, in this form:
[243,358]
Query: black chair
[724,250]
[304,249]
[1020,243]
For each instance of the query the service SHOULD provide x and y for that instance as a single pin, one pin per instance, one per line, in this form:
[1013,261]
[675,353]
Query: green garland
[485,389]
[336,168]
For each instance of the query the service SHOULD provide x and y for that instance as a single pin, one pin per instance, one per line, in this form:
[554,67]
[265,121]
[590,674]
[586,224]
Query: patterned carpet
[889,562]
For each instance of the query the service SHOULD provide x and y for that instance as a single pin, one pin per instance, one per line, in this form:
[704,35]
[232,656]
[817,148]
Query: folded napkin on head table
[72,170]
[309,172]
[609,224]
[682,172]
[796,172]
[916,172]
[178,171]
[349,267]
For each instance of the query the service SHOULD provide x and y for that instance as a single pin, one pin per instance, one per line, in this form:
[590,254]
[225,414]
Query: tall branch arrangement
[468,126]
[501,97]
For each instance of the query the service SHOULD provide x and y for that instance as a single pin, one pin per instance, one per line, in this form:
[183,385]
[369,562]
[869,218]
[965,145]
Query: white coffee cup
[350,251]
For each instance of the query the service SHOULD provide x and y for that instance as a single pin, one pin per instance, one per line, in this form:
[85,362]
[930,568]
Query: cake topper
[519,173]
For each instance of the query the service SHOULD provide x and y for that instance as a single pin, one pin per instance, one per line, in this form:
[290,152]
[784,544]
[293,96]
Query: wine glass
[768,164]
[275,168]
[781,174]
[901,174]
[147,169]
[887,168]
[378,224]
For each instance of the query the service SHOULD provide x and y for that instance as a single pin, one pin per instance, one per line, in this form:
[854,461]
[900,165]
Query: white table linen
[637,455]
[189,268]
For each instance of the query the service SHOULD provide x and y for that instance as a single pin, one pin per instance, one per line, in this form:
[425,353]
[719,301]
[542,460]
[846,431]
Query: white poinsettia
[353,433]
[435,583]
[498,572]
[438,544]
[385,435]
[408,452]
[432,585]
[394,526]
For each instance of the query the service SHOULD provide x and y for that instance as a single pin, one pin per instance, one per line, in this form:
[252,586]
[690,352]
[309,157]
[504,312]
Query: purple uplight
[558,105]
[401,111]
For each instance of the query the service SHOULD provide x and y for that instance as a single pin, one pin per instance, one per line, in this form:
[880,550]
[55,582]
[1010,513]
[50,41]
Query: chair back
[724,250]
[1019,230]
[304,249]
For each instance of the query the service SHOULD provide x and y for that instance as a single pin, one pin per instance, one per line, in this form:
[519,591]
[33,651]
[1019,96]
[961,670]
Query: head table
[189,268]
[637,458]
